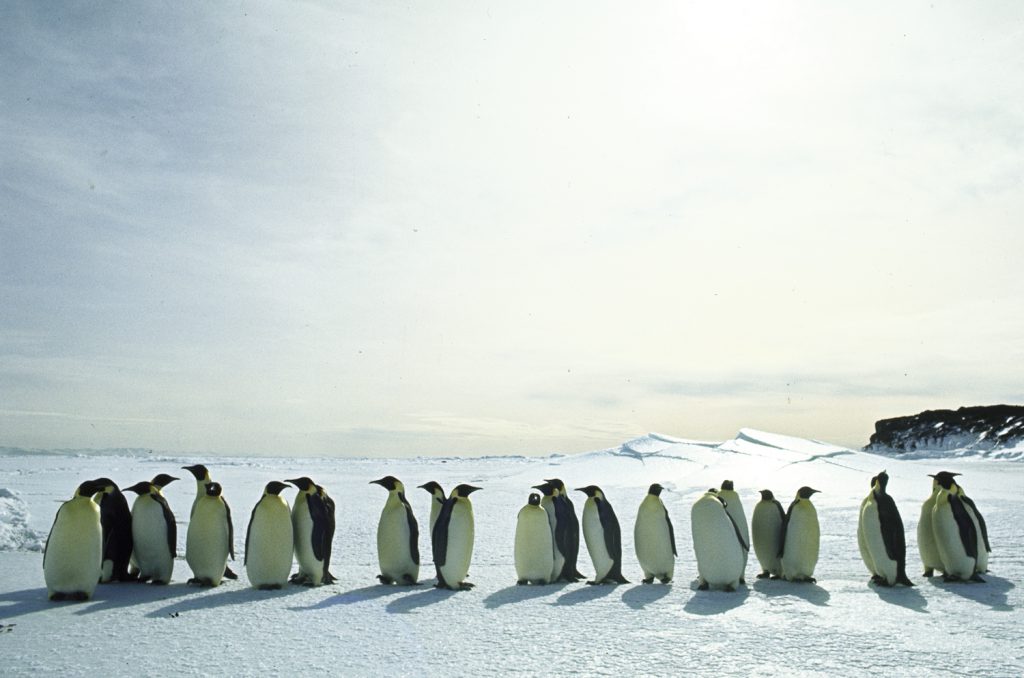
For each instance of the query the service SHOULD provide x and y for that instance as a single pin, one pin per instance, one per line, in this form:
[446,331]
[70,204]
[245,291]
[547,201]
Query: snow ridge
[15,534]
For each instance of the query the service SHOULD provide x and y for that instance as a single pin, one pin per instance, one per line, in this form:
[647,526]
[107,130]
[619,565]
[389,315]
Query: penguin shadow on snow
[585,594]
[639,597]
[714,602]
[359,595]
[26,601]
[208,599]
[910,598]
[132,594]
[775,588]
[992,593]
[517,594]
[421,598]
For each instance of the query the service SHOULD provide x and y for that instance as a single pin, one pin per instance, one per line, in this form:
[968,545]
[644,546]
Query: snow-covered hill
[840,626]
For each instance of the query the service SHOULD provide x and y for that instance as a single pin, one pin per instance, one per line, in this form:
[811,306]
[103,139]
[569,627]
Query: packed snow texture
[839,626]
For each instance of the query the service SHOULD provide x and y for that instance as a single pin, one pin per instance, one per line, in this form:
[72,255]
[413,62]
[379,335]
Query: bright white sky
[482,228]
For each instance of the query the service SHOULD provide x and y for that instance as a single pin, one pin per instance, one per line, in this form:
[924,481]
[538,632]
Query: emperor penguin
[956,535]
[309,527]
[984,548]
[72,558]
[559,536]
[801,537]
[210,538]
[268,540]
[926,545]
[437,500]
[603,537]
[116,519]
[734,507]
[203,480]
[329,507]
[654,538]
[452,539]
[154,532]
[880,529]
[569,525]
[766,530]
[717,543]
[398,536]
[534,550]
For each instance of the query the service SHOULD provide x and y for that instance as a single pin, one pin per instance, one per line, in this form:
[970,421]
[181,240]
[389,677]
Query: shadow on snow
[517,594]
[421,598]
[992,593]
[643,595]
[812,593]
[714,602]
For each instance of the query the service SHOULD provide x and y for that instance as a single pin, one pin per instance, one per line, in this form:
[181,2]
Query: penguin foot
[465,586]
[764,575]
[649,580]
[204,581]
[75,596]
[729,588]
[409,580]
[977,578]
[703,586]
[229,573]
[776,577]
[522,582]
[269,587]
[158,582]
[385,579]
[665,580]
[743,581]
[594,583]
[328,578]
[928,572]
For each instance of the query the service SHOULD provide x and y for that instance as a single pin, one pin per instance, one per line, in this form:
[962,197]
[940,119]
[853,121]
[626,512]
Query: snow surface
[840,626]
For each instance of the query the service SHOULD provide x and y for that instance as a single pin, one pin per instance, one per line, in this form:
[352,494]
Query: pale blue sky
[479,228]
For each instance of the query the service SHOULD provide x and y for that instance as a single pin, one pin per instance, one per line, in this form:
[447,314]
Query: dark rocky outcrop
[983,428]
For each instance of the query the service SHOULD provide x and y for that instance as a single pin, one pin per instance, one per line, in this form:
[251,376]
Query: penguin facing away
[559,535]
[603,537]
[329,508]
[398,535]
[534,550]
[203,480]
[801,537]
[654,538]
[956,536]
[452,539]
[269,540]
[984,548]
[72,557]
[568,526]
[116,520]
[883,536]
[734,507]
[766,531]
[310,524]
[437,500]
[210,538]
[717,544]
[154,532]
[926,545]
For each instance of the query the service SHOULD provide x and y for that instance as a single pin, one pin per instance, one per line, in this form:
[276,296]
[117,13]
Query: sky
[504,228]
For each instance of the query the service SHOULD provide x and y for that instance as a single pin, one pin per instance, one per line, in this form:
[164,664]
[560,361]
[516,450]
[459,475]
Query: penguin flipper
[414,530]
[968,535]
[318,514]
[248,534]
[785,526]
[671,533]
[891,527]
[981,521]
[610,527]
[328,578]
[439,537]
[231,538]
[172,527]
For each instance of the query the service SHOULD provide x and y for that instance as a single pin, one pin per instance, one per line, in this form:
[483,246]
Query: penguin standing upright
[534,551]
[268,540]
[452,539]
[203,480]
[329,507]
[801,537]
[734,507]
[210,538]
[398,536]
[717,543]
[926,545]
[654,538]
[862,542]
[116,519]
[984,548]
[72,558]
[956,535]
[569,527]
[310,524]
[437,500]
[154,532]
[881,530]
[766,530]
[603,537]
[559,534]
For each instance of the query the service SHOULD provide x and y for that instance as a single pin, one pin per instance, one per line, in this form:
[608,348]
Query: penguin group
[97,538]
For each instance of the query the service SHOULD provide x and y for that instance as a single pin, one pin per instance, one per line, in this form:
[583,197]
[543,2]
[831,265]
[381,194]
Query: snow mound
[15,534]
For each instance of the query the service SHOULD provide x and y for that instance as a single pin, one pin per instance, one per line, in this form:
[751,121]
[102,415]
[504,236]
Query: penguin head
[882,480]
[534,499]
[142,487]
[591,491]
[463,491]
[433,487]
[727,485]
[557,484]
[274,487]
[546,487]
[945,480]
[198,471]
[655,489]
[805,492]
[163,480]
[91,487]
[108,485]
[766,495]
[305,484]
[213,490]
[389,483]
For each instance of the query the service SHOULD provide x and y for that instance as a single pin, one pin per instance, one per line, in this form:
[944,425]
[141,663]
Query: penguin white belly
[926,545]
[303,531]
[652,540]
[268,559]
[393,552]
[803,538]
[206,544]
[74,550]
[982,564]
[766,529]
[878,561]
[460,545]
[718,551]
[593,535]
[558,558]
[435,511]
[955,561]
[534,552]
[149,540]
